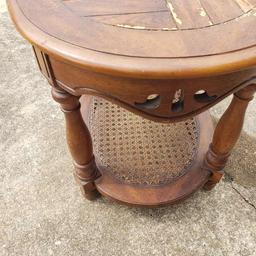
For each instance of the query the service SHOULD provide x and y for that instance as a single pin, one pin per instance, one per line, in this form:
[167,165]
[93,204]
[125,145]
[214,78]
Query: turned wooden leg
[79,142]
[226,135]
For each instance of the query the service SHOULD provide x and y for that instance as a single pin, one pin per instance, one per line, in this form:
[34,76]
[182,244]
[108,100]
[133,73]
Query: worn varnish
[164,60]
[144,38]
[172,14]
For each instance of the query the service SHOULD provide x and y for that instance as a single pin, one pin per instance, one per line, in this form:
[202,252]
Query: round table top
[143,38]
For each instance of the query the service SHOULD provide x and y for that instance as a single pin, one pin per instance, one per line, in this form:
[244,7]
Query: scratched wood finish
[166,60]
[143,38]
[173,14]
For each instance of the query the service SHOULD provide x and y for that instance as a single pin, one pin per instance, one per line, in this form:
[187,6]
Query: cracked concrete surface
[43,213]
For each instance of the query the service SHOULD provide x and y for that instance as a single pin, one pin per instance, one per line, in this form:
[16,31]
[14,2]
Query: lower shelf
[144,163]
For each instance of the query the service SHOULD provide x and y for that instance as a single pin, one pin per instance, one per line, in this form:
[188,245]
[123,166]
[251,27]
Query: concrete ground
[43,213]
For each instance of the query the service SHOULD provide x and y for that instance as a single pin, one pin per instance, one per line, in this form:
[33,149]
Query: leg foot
[85,176]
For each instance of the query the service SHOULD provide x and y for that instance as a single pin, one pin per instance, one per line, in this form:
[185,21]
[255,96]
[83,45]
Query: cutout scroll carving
[153,101]
[202,96]
[178,101]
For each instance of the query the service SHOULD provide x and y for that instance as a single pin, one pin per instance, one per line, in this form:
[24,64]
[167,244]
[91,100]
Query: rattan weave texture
[139,151]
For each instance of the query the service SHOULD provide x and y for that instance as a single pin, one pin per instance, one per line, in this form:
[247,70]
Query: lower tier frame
[144,163]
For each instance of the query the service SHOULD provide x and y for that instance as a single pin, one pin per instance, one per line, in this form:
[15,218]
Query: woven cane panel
[139,151]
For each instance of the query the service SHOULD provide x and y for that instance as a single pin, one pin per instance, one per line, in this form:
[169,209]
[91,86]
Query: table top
[145,38]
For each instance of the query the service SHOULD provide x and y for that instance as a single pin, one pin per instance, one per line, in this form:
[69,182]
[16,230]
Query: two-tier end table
[135,80]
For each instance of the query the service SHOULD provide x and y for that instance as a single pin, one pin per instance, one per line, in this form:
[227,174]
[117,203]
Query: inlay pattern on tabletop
[162,14]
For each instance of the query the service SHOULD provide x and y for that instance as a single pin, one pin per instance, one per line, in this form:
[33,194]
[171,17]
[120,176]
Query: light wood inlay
[161,14]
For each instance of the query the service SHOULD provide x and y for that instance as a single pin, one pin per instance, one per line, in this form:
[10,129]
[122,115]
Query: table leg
[79,142]
[227,134]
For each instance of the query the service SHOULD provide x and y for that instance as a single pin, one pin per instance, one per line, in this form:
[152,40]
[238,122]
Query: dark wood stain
[166,60]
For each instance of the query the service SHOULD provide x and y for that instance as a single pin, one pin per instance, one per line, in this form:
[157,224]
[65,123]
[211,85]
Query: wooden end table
[135,80]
